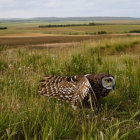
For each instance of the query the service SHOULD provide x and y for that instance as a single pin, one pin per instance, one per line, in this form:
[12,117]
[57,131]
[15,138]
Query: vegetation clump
[3,28]
[134,31]
[102,32]
[65,25]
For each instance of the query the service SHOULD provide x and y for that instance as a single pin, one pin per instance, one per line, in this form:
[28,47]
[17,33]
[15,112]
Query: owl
[85,89]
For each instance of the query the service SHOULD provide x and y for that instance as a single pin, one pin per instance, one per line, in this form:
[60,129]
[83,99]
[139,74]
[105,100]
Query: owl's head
[108,82]
[102,83]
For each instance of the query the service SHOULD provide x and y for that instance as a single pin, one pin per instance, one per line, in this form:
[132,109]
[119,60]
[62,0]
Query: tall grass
[25,115]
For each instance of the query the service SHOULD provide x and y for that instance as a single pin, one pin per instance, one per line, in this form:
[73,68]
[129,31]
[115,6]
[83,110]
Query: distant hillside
[50,19]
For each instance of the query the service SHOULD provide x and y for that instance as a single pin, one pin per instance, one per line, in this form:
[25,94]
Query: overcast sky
[68,8]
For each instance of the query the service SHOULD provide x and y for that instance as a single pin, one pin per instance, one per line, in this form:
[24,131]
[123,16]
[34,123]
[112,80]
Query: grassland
[20,28]
[25,115]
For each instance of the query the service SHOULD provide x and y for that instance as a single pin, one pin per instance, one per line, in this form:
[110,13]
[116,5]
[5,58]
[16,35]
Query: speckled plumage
[74,89]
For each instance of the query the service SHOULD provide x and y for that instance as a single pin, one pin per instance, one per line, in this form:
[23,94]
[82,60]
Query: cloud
[63,8]
[52,4]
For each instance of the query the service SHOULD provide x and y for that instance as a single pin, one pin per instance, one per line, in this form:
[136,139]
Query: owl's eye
[108,80]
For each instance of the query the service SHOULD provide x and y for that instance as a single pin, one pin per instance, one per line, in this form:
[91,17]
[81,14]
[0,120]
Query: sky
[69,8]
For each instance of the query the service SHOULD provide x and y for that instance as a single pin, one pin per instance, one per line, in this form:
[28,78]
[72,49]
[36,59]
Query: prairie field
[26,115]
[113,27]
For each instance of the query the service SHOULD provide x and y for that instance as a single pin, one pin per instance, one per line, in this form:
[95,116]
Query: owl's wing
[58,86]
[70,89]
[81,91]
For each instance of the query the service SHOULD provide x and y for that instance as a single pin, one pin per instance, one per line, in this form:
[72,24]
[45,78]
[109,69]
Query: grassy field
[19,28]
[34,40]
[25,115]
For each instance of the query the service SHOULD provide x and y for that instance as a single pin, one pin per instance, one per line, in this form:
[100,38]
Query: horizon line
[69,17]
